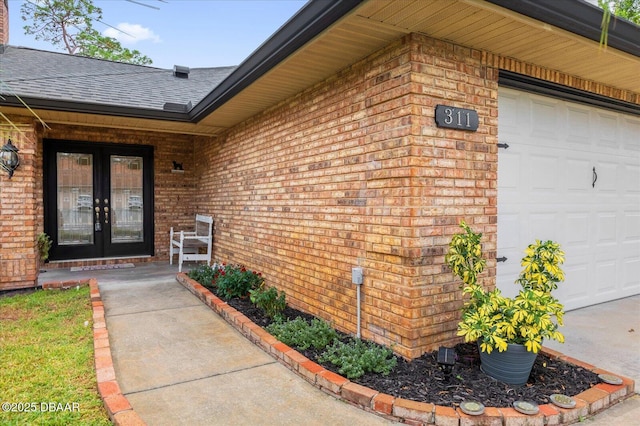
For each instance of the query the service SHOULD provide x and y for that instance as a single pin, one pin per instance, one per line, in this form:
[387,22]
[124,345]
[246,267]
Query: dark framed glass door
[98,199]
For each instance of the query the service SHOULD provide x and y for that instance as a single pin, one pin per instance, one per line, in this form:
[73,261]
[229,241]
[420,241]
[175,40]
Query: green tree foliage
[627,9]
[69,24]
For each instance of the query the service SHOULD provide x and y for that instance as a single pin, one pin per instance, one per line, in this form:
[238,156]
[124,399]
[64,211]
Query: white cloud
[131,33]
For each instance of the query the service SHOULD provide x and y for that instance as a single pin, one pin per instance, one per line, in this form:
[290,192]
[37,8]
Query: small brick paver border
[588,403]
[118,407]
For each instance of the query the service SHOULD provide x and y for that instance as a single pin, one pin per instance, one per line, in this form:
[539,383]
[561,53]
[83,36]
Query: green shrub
[203,274]
[43,243]
[269,300]
[357,357]
[301,334]
[495,321]
[235,281]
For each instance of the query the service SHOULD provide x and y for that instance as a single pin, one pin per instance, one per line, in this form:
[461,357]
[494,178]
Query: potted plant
[516,327]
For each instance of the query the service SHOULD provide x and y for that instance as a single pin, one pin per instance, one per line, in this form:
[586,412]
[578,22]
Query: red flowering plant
[235,280]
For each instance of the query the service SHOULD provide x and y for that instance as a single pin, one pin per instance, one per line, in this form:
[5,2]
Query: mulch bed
[423,380]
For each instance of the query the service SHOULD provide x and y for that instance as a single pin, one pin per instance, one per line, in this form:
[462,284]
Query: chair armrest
[178,237]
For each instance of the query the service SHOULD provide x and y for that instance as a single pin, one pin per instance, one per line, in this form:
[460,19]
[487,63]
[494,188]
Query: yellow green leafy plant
[495,321]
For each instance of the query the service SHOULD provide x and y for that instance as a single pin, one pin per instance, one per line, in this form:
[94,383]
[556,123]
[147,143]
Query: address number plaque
[456,118]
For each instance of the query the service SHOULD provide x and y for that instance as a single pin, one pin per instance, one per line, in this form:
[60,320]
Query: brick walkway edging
[118,408]
[589,402]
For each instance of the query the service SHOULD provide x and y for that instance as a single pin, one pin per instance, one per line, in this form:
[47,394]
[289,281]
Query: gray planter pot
[512,366]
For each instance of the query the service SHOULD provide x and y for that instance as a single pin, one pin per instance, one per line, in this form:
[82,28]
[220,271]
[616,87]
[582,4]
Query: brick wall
[354,172]
[20,208]
[4,22]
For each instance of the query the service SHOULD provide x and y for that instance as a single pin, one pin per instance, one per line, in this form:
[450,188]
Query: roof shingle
[38,74]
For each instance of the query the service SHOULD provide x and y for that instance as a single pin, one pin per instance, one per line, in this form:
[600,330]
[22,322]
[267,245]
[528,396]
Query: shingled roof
[37,74]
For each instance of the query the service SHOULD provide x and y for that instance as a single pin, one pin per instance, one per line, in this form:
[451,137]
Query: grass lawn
[47,374]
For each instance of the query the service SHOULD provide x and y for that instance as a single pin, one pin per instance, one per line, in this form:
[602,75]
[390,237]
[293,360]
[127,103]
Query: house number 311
[456,118]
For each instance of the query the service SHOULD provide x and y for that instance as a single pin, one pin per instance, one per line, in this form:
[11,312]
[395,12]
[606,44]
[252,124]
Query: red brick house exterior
[351,171]
[373,183]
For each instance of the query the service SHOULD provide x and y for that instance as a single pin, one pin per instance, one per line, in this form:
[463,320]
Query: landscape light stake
[446,360]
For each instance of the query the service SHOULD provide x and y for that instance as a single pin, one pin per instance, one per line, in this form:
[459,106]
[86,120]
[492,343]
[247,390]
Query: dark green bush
[301,334]
[235,281]
[357,357]
[269,300]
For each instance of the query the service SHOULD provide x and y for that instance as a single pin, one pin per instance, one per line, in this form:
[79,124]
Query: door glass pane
[126,199]
[75,198]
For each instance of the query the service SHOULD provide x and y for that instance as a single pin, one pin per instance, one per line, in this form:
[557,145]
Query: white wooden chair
[192,245]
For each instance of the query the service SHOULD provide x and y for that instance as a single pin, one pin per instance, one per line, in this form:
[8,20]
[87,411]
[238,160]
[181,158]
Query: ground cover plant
[351,356]
[421,379]
[47,375]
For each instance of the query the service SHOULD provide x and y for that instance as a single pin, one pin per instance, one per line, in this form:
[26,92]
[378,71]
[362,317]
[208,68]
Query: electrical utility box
[356,275]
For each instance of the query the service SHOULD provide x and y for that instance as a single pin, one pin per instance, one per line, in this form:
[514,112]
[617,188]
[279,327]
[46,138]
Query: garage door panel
[607,129]
[631,228]
[574,291]
[545,192]
[544,115]
[542,172]
[631,272]
[509,112]
[605,235]
[579,173]
[607,177]
[540,226]
[630,132]
[605,279]
[631,173]
[510,170]
[510,224]
[578,231]
[579,126]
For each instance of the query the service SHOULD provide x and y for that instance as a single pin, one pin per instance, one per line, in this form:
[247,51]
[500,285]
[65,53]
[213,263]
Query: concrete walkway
[178,362]
[608,336]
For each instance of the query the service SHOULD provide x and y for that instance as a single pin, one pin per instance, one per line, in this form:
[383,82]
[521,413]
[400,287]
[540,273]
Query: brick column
[19,205]
[4,22]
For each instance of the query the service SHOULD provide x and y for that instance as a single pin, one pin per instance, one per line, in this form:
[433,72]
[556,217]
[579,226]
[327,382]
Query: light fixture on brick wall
[9,159]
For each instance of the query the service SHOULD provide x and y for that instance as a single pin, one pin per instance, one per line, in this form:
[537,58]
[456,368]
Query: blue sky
[193,33]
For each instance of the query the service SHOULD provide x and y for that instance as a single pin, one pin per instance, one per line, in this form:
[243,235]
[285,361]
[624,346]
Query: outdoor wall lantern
[9,159]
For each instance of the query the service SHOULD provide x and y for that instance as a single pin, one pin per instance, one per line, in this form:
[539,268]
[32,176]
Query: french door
[98,199]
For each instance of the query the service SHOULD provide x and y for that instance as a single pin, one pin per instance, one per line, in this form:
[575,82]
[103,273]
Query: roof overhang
[327,36]
[87,117]
[558,35]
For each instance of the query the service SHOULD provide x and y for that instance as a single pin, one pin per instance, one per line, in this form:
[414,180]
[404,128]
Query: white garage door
[571,174]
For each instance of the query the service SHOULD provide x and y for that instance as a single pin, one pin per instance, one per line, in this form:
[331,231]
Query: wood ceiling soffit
[76,119]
